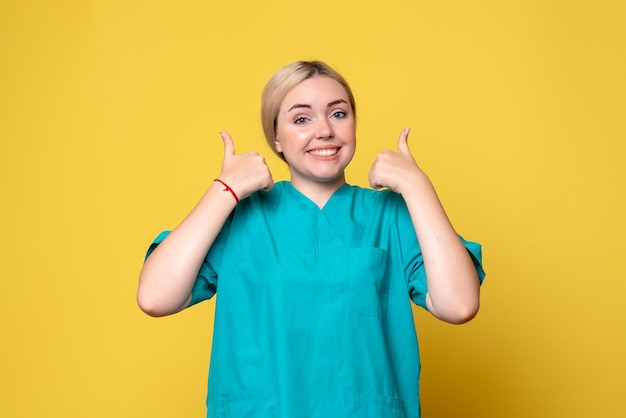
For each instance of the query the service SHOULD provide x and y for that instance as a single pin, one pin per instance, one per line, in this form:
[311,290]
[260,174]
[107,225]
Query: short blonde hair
[282,82]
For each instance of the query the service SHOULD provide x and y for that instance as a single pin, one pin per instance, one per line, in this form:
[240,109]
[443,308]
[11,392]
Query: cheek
[348,132]
[290,138]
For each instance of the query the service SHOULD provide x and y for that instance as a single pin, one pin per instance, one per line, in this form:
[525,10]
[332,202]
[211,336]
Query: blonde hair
[282,82]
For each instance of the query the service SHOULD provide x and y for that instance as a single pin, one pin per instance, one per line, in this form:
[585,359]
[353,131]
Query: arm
[169,273]
[453,286]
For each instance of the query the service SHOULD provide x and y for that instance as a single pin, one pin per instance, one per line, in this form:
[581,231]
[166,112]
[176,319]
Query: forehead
[315,90]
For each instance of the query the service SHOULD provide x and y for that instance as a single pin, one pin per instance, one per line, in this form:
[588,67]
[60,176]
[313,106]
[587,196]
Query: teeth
[324,152]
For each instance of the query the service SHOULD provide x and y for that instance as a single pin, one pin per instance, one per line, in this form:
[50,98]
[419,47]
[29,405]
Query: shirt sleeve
[205,285]
[414,270]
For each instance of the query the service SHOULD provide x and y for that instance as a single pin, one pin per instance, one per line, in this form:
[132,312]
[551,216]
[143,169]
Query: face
[315,131]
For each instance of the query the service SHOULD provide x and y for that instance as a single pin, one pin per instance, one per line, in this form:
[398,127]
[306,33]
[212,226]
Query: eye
[340,114]
[300,120]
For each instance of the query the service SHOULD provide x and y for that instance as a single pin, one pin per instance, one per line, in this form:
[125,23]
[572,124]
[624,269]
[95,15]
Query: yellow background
[109,121]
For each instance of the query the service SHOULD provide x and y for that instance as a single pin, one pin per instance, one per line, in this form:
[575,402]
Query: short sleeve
[416,273]
[205,285]
[412,259]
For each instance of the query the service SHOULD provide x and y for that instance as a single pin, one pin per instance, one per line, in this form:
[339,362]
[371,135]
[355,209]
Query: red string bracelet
[227,188]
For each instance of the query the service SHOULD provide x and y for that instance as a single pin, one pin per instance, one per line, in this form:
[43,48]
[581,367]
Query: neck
[318,192]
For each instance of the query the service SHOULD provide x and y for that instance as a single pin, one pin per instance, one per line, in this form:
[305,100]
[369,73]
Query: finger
[403,144]
[374,184]
[269,186]
[229,145]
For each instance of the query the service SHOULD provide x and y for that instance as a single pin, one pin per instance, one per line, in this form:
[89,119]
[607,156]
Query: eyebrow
[307,106]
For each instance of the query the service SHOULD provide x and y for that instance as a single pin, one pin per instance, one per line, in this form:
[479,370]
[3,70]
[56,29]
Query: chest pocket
[369,282]
[252,403]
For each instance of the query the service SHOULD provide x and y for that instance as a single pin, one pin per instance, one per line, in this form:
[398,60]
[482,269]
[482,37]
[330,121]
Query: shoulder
[259,202]
[385,199]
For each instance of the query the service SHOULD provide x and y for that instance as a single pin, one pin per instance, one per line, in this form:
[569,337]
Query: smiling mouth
[326,152]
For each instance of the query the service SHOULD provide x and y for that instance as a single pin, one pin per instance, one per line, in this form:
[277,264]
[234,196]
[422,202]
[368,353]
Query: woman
[313,318]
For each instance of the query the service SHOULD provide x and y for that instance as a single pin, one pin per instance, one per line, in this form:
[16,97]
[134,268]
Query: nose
[324,129]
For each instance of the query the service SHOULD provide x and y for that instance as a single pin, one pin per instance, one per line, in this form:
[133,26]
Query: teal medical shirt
[313,315]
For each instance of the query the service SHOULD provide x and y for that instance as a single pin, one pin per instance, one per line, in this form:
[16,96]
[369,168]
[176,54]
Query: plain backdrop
[109,120]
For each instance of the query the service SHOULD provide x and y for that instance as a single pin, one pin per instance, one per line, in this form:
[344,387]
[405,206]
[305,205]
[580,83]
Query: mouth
[324,152]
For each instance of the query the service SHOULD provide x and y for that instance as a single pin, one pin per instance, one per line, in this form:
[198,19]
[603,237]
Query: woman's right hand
[244,173]
[168,275]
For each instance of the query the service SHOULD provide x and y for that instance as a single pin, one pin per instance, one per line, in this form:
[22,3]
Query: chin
[329,178]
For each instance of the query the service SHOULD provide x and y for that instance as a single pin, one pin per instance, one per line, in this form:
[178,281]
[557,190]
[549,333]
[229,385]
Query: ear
[277,145]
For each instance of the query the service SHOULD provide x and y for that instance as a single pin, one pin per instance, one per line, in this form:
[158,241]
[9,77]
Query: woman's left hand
[452,281]
[395,170]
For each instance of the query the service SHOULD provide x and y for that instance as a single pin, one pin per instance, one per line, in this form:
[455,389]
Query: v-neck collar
[303,199]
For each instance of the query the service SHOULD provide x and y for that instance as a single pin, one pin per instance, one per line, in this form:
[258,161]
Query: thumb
[229,145]
[403,145]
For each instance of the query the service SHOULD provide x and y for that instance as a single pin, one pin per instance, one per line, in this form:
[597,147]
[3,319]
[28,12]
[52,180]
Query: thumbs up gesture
[393,169]
[244,173]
